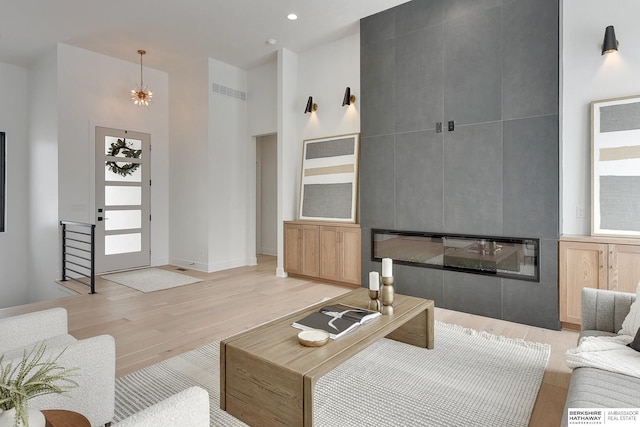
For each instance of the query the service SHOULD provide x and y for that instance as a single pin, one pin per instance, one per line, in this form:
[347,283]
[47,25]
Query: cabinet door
[310,245]
[581,265]
[330,253]
[624,267]
[292,248]
[350,255]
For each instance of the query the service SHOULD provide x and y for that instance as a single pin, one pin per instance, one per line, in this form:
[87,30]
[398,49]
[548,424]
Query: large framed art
[329,187]
[615,167]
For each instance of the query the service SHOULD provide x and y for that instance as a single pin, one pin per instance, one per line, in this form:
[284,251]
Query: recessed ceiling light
[292,17]
[272,41]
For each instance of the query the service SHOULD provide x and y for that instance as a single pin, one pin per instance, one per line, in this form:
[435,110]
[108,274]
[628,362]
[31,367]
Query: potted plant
[32,377]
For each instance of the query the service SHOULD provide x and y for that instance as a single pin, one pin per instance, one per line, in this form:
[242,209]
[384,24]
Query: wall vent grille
[228,91]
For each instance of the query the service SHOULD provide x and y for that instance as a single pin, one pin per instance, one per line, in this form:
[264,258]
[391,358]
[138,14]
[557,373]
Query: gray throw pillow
[635,344]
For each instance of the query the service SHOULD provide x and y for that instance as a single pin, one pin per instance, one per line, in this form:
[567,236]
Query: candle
[374,281]
[387,267]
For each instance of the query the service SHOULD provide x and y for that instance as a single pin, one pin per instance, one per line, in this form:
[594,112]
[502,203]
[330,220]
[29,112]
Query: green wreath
[126,168]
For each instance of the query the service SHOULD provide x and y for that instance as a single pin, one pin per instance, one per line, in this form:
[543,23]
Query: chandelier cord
[141,52]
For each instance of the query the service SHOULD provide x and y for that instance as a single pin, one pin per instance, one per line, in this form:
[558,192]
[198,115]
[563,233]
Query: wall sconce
[310,106]
[610,44]
[348,98]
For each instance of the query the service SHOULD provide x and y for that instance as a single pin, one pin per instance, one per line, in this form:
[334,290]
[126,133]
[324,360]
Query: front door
[122,199]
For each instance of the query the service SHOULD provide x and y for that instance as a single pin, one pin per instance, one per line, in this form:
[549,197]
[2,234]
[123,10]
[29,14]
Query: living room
[197,223]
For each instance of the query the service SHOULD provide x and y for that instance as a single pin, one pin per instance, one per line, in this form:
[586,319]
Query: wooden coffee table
[63,418]
[267,377]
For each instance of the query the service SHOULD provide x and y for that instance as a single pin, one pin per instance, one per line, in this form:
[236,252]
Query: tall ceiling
[232,31]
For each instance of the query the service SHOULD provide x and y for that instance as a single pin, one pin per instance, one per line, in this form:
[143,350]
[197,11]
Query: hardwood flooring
[151,327]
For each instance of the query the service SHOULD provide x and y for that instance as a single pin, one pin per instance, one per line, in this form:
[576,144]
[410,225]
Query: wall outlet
[580,212]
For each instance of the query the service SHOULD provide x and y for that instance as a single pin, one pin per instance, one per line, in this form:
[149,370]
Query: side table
[63,418]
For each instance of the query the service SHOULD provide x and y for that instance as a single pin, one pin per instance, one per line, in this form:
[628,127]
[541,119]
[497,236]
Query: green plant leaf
[33,377]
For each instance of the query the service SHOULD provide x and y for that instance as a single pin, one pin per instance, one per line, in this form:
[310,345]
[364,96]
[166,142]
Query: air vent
[230,92]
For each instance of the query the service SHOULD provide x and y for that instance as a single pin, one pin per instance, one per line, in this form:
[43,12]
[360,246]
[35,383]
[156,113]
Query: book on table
[337,319]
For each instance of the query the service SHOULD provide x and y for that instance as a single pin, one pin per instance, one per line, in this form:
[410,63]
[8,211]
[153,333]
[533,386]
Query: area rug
[151,279]
[469,378]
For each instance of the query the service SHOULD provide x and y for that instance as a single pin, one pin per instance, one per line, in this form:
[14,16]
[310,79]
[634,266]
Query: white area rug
[151,279]
[470,378]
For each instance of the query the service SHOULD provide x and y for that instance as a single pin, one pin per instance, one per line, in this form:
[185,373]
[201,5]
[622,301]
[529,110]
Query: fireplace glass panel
[515,258]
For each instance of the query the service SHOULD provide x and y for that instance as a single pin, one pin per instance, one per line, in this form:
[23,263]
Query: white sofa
[95,357]
[188,408]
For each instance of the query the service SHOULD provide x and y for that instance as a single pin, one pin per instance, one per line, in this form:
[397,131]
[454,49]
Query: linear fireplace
[510,257]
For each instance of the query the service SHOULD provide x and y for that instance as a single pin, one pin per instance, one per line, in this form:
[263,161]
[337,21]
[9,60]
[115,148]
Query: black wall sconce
[310,106]
[348,98]
[610,43]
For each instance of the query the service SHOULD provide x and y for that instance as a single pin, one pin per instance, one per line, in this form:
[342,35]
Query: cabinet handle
[601,252]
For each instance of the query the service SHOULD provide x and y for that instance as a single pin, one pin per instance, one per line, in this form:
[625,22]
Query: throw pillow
[635,344]
[632,321]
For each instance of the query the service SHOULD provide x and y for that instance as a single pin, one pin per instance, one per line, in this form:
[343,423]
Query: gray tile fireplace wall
[491,67]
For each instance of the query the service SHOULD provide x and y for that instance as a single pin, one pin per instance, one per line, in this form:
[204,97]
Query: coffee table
[267,378]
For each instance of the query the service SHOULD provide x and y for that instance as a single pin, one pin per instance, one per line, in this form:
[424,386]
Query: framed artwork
[615,167]
[329,187]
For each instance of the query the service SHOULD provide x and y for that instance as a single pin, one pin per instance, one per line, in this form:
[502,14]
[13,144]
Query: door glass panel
[123,220]
[131,174]
[115,195]
[122,147]
[122,243]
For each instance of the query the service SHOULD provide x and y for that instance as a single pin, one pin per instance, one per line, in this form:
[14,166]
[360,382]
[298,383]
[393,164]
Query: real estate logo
[619,417]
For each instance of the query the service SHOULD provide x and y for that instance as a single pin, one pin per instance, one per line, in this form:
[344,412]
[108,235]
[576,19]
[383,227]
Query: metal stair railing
[78,253]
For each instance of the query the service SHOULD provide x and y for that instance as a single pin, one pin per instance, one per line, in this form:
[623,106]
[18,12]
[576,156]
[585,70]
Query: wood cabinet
[594,262]
[301,243]
[327,251]
[340,254]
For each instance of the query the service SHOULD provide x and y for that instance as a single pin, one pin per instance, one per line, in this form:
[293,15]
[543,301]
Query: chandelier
[141,95]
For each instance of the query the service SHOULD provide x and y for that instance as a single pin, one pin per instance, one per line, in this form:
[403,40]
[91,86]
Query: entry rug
[151,279]
[470,378]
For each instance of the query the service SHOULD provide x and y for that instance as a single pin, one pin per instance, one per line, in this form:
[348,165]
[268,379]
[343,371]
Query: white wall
[262,97]
[14,241]
[44,249]
[588,76]
[289,146]
[267,226]
[324,73]
[189,129]
[230,226]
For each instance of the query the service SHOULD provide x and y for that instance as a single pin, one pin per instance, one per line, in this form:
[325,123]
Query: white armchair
[188,408]
[95,357]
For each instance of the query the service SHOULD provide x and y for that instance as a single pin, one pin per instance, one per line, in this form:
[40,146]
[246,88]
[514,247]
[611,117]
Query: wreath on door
[123,169]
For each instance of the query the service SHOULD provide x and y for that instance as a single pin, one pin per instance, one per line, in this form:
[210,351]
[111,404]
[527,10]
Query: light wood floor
[151,327]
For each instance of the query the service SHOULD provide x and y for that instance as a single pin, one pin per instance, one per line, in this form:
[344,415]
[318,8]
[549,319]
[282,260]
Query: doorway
[123,188]
[266,196]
